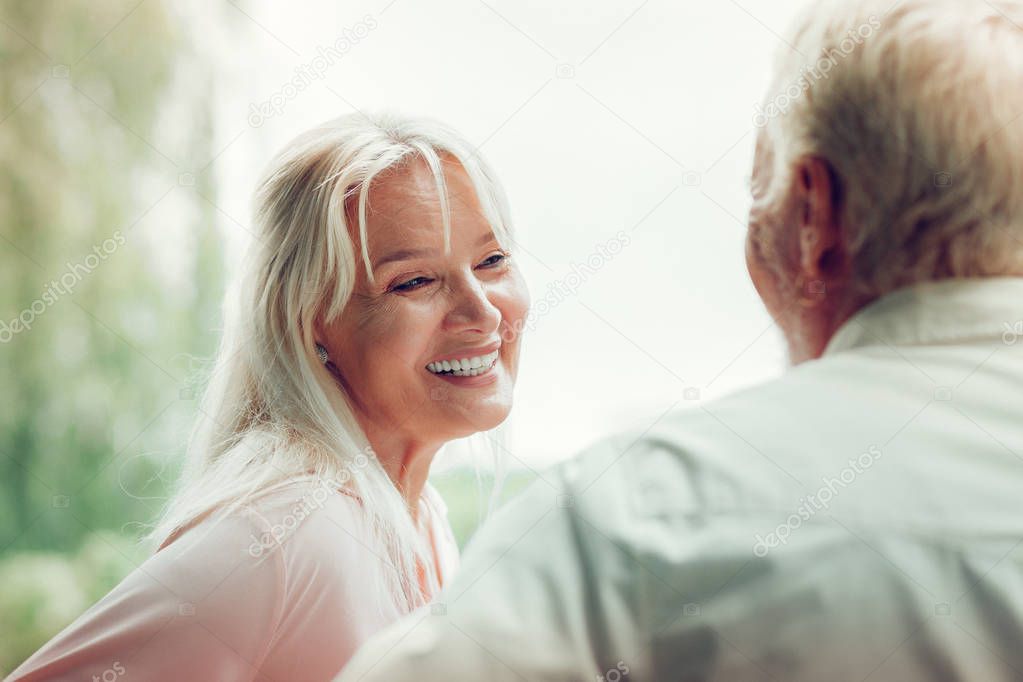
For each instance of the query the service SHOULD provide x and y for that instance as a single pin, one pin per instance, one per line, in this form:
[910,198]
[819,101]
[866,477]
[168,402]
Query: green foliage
[94,423]
[94,366]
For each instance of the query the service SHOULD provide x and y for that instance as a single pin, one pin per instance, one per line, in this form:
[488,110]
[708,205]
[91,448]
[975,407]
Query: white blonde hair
[272,413]
[917,107]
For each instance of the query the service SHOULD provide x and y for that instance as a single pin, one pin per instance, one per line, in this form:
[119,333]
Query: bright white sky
[651,133]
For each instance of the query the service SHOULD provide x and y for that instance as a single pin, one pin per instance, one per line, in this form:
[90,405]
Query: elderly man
[860,517]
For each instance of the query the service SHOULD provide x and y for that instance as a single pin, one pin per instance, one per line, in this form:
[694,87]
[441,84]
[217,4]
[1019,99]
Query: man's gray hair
[918,106]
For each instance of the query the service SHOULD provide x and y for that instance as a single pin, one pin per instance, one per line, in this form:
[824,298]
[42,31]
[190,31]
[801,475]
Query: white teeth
[466,367]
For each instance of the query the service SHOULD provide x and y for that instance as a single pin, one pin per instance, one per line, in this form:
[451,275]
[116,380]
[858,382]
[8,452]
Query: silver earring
[321,353]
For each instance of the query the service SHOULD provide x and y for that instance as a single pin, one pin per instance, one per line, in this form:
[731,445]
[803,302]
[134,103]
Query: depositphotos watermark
[110,674]
[301,510]
[307,74]
[616,674]
[561,289]
[64,285]
[304,507]
[818,501]
[1013,333]
[814,73]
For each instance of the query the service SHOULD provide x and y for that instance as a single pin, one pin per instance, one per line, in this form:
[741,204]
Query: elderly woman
[376,318]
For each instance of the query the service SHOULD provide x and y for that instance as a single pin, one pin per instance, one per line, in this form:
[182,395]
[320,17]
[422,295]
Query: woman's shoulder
[304,515]
[325,541]
[301,531]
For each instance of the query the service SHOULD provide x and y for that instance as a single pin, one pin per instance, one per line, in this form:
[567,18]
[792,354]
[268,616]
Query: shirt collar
[949,311]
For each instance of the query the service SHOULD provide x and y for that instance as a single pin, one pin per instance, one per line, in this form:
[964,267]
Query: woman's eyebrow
[409,254]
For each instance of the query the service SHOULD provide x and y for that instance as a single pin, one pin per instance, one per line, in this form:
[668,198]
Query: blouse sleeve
[203,607]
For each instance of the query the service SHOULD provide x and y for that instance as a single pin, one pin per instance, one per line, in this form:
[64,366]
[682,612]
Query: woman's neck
[407,463]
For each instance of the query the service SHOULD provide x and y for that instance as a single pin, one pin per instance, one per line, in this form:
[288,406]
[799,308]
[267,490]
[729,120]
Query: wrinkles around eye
[402,285]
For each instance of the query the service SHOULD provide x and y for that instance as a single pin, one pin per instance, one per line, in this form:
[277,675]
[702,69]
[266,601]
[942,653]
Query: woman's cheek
[512,298]
[517,306]
[410,328]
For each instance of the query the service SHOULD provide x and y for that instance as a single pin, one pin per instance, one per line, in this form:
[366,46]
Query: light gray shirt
[859,518]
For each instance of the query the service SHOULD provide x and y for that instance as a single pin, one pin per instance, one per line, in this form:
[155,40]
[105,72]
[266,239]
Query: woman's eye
[491,261]
[412,284]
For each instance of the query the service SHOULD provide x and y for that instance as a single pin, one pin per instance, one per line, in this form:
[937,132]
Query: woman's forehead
[413,186]
[404,208]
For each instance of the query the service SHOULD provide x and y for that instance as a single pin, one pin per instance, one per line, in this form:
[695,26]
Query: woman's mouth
[465,367]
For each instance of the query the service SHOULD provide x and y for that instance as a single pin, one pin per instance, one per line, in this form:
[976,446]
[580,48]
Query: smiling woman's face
[395,343]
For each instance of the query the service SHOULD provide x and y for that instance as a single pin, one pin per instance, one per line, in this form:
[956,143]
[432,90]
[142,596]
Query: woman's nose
[472,310]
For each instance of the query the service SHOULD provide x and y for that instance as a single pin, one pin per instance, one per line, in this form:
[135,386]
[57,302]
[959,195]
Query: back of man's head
[918,107]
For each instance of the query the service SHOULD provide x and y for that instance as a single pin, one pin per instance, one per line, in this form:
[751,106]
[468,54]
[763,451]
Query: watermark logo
[616,674]
[279,532]
[810,505]
[1013,333]
[110,674]
[307,74]
[304,507]
[64,285]
[812,74]
[564,71]
[563,288]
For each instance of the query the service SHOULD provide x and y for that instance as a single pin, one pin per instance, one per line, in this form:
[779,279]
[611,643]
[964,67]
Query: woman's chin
[473,404]
[471,419]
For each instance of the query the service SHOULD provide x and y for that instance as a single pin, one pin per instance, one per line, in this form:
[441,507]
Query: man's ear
[821,253]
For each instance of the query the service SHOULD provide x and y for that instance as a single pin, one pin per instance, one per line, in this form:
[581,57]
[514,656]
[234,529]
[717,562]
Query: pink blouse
[285,590]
